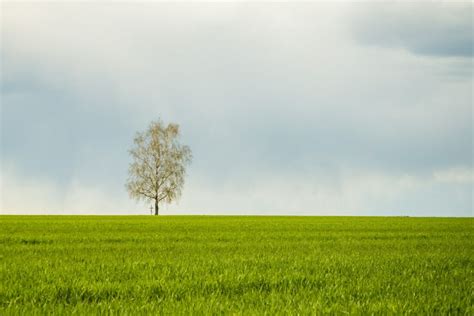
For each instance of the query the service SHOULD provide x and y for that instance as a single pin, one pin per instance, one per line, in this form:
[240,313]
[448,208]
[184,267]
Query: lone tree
[159,163]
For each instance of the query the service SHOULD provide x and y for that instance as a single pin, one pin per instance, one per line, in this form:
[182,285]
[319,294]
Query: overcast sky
[297,108]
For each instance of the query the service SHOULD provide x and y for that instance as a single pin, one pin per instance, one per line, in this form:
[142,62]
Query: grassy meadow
[235,265]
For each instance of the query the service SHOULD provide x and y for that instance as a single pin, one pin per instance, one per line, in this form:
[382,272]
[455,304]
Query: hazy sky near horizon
[289,108]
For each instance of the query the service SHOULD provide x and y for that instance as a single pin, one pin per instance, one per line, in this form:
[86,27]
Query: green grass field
[235,265]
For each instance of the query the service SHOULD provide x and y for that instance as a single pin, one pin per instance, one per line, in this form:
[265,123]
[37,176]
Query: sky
[289,108]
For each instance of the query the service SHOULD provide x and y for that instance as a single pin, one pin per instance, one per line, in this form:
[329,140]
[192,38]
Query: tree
[158,165]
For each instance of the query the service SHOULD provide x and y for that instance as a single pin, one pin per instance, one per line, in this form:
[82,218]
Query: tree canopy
[158,167]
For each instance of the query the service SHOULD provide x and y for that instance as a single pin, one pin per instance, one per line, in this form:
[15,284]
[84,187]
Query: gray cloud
[440,29]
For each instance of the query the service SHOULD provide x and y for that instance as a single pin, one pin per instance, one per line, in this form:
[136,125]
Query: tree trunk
[156,207]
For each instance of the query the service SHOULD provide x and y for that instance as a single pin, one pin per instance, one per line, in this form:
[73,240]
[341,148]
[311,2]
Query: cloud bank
[439,29]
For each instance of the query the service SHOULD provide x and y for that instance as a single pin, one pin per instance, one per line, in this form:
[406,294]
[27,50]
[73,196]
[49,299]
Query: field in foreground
[238,265]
